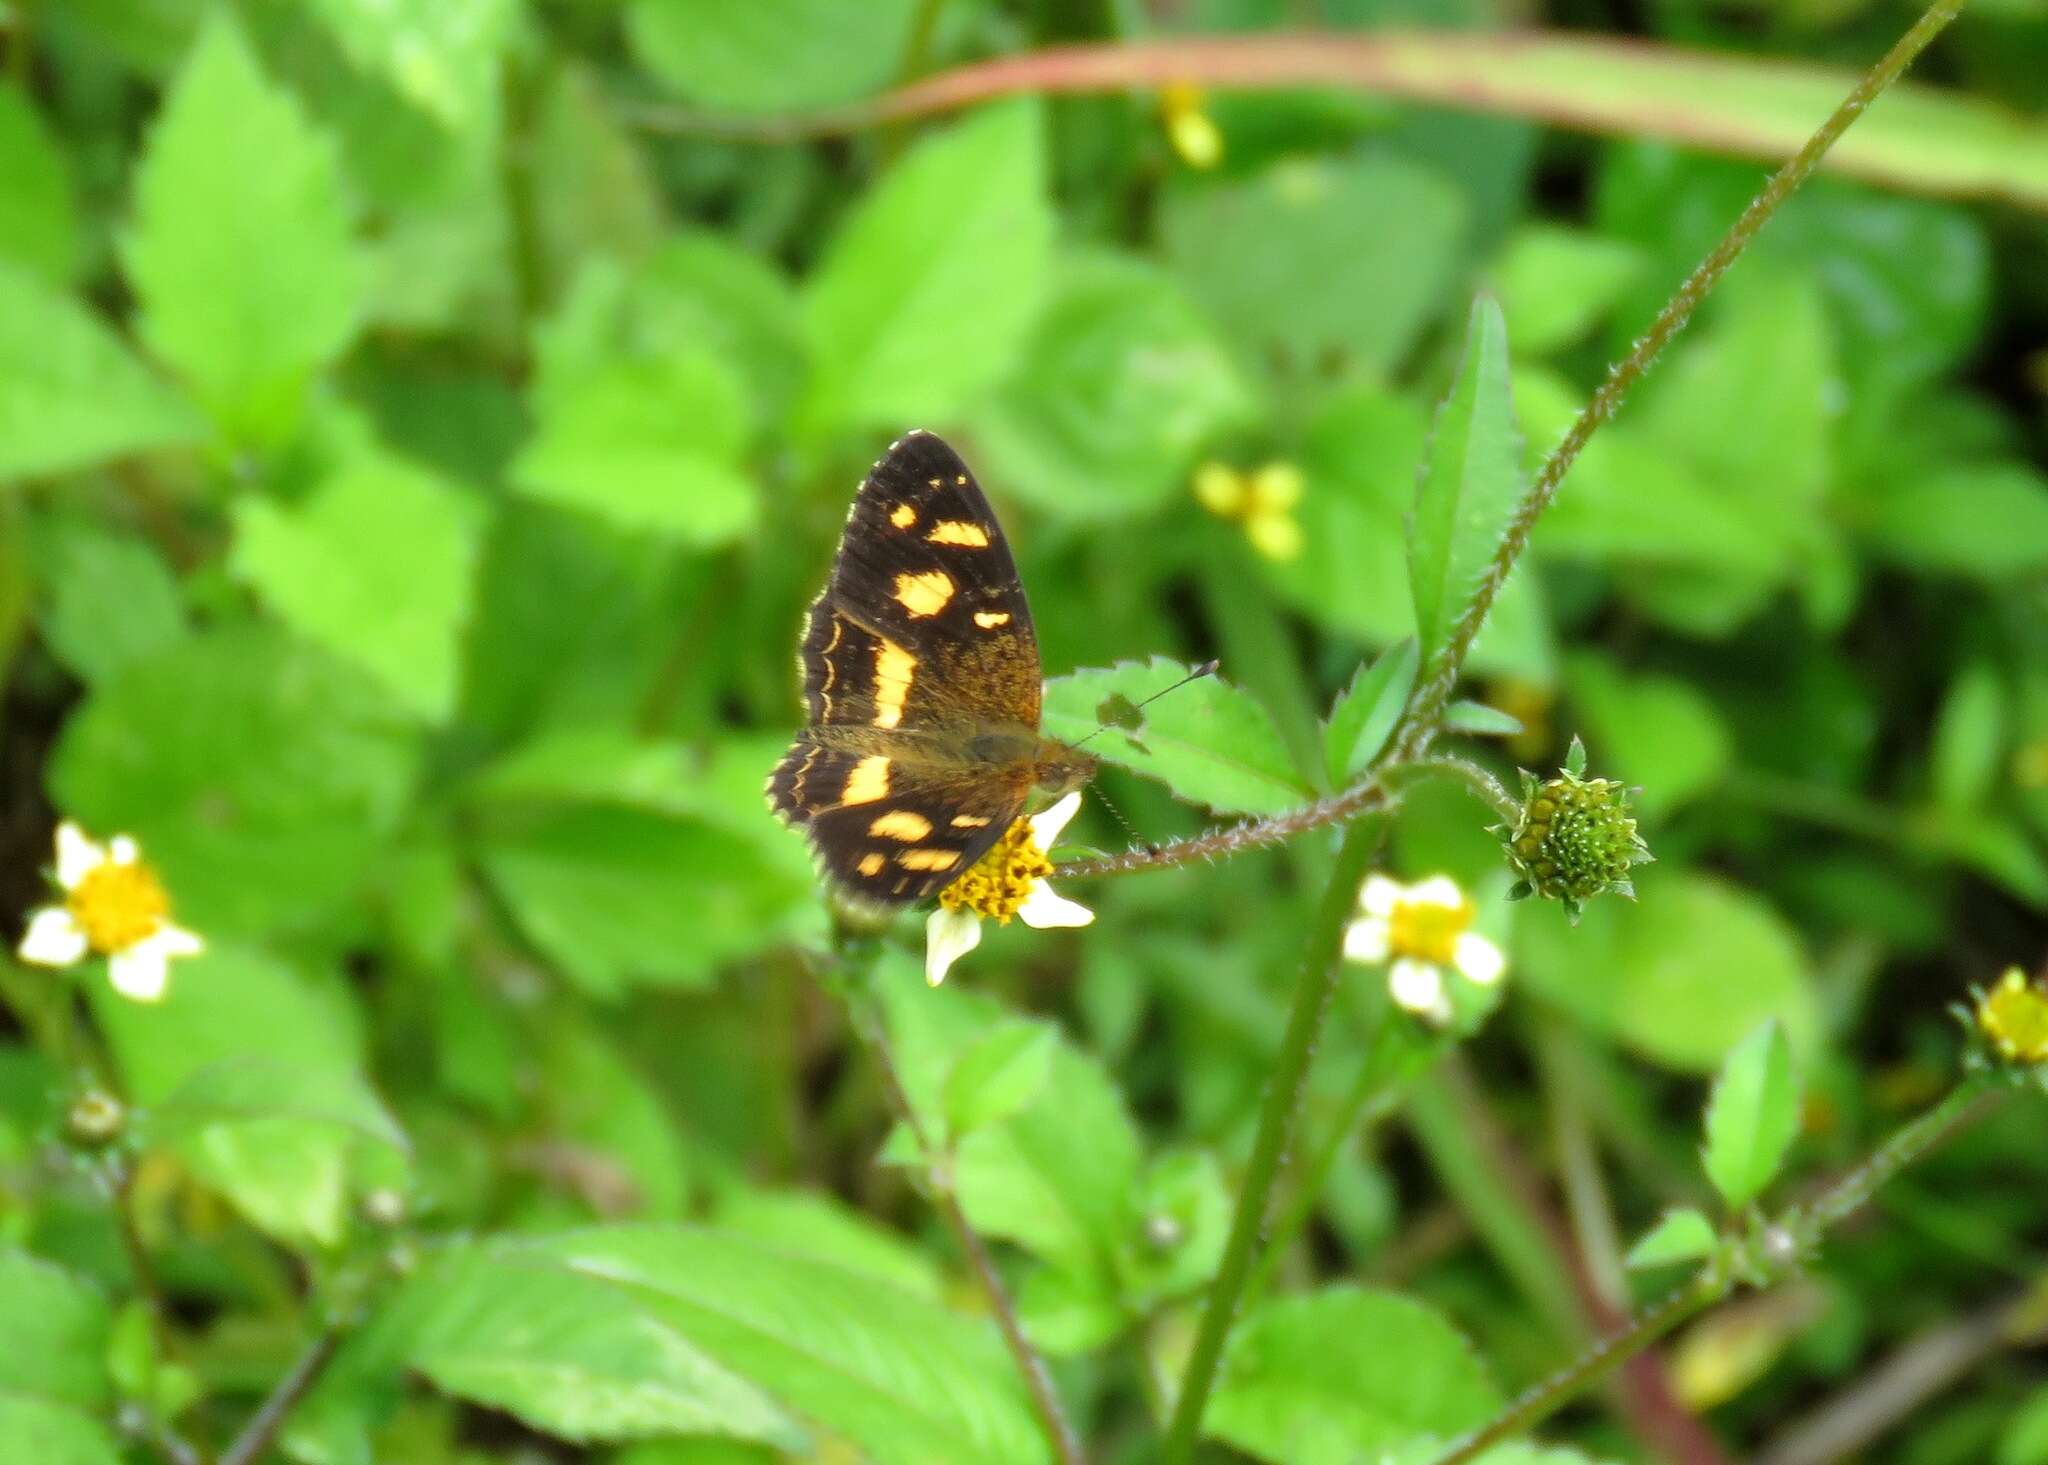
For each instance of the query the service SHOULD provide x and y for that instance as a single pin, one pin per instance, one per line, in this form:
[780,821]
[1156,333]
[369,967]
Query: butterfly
[922,688]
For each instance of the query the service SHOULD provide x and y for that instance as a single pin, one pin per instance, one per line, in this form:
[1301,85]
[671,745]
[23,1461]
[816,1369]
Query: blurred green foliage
[417,449]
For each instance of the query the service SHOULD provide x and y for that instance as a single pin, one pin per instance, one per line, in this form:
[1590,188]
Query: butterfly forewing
[919,647]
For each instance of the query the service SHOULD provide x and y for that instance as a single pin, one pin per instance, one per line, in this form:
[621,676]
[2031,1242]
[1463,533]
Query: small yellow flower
[2014,1016]
[1263,501]
[1009,881]
[115,907]
[1419,931]
[1189,127]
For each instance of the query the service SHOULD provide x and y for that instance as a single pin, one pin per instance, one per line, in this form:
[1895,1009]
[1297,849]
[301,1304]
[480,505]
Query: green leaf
[258,1069]
[1659,733]
[999,1075]
[443,56]
[1752,1117]
[38,207]
[2024,1440]
[1121,385]
[1988,522]
[378,566]
[771,55]
[701,289]
[1471,482]
[959,231]
[649,444]
[1683,1235]
[1378,235]
[1345,1373]
[1476,719]
[267,776]
[70,394]
[1969,738]
[595,1098]
[1059,1177]
[112,599]
[671,1320]
[50,1433]
[595,195]
[242,251]
[816,1224]
[1209,742]
[1555,283]
[1680,974]
[57,1329]
[1180,1224]
[1364,715]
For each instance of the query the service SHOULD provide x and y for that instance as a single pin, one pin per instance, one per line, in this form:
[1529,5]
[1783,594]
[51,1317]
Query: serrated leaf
[1476,719]
[1210,742]
[71,395]
[1683,1235]
[959,230]
[1343,1374]
[770,55]
[1364,715]
[379,567]
[1471,482]
[1752,1116]
[38,207]
[242,251]
[266,777]
[999,1075]
[1120,385]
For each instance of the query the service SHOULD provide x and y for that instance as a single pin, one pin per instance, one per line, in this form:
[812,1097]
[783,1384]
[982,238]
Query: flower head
[1189,127]
[114,906]
[1420,931]
[1263,500]
[2013,1018]
[1009,881]
[1574,837]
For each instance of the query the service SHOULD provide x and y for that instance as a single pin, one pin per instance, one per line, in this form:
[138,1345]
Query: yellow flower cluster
[1263,500]
[1189,127]
[998,882]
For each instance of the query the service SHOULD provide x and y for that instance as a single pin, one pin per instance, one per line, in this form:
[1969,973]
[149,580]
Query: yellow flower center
[1426,931]
[118,905]
[996,884]
[2014,1016]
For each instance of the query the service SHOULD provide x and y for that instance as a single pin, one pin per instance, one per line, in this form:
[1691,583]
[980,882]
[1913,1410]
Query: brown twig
[261,1431]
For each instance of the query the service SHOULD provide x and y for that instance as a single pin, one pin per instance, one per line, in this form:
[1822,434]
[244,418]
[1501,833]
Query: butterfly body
[922,685]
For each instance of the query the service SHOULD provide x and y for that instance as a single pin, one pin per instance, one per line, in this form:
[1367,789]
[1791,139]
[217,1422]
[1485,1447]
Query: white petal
[77,856]
[1478,959]
[123,850]
[948,936]
[1379,896]
[141,972]
[177,941]
[1047,824]
[1419,987]
[1366,940]
[52,938]
[1041,907]
[1437,890]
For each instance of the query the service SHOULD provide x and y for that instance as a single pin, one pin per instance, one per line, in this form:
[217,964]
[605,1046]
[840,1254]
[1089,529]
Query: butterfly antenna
[1206,669]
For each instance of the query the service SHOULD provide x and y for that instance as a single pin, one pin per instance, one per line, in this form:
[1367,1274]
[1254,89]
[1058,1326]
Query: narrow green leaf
[71,395]
[1481,721]
[1364,716]
[1210,742]
[1969,738]
[1683,1235]
[379,567]
[242,251]
[1471,482]
[999,1075]
[959,230]
[1752,1117]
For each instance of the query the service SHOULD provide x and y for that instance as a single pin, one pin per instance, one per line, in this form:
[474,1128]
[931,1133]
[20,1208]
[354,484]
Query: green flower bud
[1574,837]
[95,1118]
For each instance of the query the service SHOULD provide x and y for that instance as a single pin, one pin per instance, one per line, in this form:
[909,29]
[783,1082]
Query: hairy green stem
[263,1427]
[1425,708]
[1782,1242]
[1045,1402]
[1252,834]
[1312,992]
[1476,781]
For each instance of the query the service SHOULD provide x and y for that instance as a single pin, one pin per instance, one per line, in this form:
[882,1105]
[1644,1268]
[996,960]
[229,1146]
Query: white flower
[113,906]
[1419,930]
[1010,880]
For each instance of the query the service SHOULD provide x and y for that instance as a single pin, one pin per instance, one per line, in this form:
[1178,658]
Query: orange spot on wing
[928,859]
[988,620]
[868,781]
[926,593]
[903,516]
[904,824]
[895,669]
[963,532]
